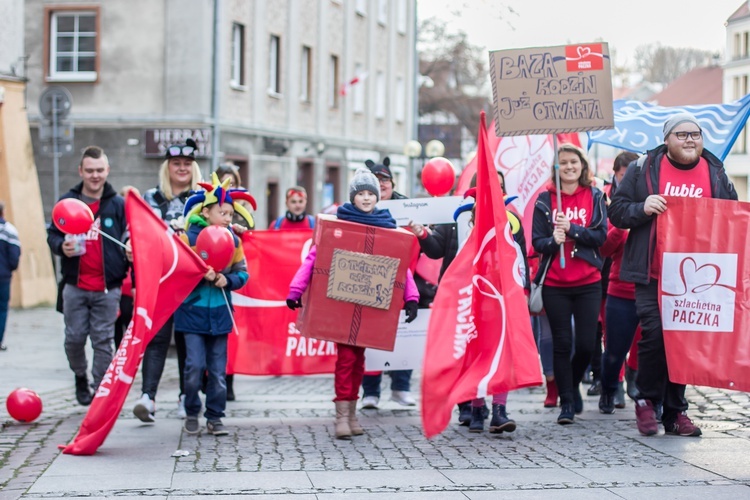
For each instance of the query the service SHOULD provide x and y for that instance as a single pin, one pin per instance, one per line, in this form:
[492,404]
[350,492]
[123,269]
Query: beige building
[736,74]
[278,100]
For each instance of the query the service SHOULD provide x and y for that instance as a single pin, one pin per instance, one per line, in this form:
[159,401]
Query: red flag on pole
[479,341]
[166,271]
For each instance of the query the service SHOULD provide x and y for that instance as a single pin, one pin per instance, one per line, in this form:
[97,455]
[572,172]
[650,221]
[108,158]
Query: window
[361,7]
[274,65]
[73,45]
[333,78]
[402,16]
[745,43]
[305,74]
[382,11]
[400,111]
[238,55]
[380,95]
[358,90]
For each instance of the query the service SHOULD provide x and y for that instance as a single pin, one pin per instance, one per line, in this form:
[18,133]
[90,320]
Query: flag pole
[114,240]
[559,196]
[231,315]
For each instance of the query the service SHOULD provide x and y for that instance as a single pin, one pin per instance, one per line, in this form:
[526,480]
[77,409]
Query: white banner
[409,349]
[423,210]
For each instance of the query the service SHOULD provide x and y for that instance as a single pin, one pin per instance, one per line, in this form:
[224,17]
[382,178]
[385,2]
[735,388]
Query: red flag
[269,342]
[166,270]
[479,341]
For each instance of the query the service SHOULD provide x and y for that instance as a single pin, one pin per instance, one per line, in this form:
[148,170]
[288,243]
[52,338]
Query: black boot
[230,387]
[630,381]
[83,392]
[607,402]
[595,389]
[500,421]
[567,415]
[464,413]
[577,400]
[477,419]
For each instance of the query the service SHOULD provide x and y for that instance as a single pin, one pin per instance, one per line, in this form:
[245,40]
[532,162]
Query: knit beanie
[675,120]
[364,180]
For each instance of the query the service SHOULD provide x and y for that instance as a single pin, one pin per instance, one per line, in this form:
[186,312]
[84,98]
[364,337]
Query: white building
[142,75]
[736,74]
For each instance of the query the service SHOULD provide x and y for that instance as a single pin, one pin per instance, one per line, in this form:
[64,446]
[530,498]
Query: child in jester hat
[204,317]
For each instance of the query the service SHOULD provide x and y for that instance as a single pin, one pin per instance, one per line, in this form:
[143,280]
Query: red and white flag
[346,87]
[526,162]
[166,271]
[479,341]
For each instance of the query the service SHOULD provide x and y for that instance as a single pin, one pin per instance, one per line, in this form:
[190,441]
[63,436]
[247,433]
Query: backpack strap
[311,221]
[162,202]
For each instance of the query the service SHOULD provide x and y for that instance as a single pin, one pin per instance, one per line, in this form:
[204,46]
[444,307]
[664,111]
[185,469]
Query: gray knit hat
[675,120]
[363,179]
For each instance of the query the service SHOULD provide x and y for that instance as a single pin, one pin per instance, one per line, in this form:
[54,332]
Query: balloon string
[115,240]
[231,315]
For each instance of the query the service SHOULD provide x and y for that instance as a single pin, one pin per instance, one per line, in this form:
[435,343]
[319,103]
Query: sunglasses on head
[188,151]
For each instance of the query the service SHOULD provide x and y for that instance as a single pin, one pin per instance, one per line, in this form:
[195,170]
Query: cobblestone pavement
[281,427]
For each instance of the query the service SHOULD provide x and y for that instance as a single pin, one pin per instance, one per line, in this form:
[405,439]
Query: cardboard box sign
[357,287]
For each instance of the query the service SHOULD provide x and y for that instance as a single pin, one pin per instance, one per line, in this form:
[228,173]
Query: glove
[293,304]
[411,310]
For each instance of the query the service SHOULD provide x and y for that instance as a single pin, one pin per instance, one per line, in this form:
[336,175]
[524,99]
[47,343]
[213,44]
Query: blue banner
[639,125]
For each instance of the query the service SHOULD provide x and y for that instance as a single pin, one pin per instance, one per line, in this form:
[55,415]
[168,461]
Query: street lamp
[413,150]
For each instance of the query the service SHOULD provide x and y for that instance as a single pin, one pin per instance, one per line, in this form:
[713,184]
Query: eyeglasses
[181,151]
[682,136]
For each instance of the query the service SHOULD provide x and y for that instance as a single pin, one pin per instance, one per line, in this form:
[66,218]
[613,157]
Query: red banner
[268,342]
[479,340]
[166,271]
[704,291]
[526,163]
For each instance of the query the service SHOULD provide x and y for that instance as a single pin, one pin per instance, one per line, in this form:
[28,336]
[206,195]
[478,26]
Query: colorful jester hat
[219,192]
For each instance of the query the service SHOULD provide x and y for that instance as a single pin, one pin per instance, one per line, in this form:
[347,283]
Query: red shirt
[579,209]
[690,183]
[91,267]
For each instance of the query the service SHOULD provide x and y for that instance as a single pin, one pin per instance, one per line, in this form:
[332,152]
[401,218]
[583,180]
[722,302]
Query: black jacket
[111,208]
[587,239]
[626,209]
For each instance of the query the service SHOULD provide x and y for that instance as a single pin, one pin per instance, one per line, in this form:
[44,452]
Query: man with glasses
[679,167]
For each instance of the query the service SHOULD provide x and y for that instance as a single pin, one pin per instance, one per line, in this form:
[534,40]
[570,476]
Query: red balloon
[215,245]
[72,216]
[24,405]
[438,176]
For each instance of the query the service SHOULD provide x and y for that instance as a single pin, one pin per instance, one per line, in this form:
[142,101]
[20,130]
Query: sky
[624,24]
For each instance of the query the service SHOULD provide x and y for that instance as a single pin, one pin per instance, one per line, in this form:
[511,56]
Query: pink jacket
[303,276]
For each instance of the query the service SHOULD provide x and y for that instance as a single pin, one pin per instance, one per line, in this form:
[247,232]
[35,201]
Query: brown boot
[343,431]
[356,429]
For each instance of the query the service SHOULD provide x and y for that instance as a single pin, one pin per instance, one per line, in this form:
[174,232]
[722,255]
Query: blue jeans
[206,353]
[622,322]
[543,337]
[400,381]
[4,300]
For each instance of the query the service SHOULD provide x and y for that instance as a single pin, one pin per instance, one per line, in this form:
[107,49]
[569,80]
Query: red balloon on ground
[215,245]
[72,216]
[24,405]
[438,176]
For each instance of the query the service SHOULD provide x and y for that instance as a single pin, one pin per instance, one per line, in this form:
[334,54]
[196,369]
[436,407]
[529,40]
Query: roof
[742,12]
[697,86]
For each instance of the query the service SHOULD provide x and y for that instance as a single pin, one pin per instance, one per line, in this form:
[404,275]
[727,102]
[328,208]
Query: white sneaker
[404,398]
[370,402]
[144,409]
[181,407]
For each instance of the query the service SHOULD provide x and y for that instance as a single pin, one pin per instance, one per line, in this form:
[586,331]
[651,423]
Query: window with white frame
[358,90]
[305,74]
[400,101]
[382,11]
[380,95]
[73,45]
[238,55]
[361,7]
[402,16]
[274,65]
[333,81]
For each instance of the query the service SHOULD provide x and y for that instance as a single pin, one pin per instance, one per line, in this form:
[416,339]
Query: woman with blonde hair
[178,175]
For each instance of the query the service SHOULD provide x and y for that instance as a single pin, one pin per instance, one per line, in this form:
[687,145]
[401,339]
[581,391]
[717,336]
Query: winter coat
[10,249]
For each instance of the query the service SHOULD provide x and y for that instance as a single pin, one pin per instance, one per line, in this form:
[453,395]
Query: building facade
[735,85]
[301,91]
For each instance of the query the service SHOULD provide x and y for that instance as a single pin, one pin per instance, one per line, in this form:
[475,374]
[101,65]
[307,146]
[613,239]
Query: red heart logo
[703,277]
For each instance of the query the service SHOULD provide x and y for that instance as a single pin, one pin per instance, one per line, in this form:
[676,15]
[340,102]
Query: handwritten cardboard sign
[547,90]
[362,279]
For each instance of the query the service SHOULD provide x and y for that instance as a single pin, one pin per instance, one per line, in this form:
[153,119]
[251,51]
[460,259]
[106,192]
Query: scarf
[378,217]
